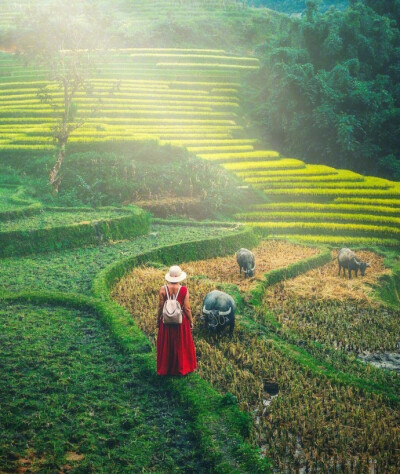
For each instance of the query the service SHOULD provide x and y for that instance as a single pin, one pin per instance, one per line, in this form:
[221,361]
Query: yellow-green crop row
[24,129]
[338,240]
[124,111]
[252,155]
[311,185]
[26,147]
[306,178]
[300,216]
[298,192]
[284,163]
[220,149]
[227,142]
[150,101]
[317,207]
[206,65]
[205,84]
[26,119]
[195,56]
[26,139]
[369,201]
[156,131]
[181,136]
[165,128]
[126,83]
[12,135]
[178,121]
[321,227]
[307,170]
[119,139]
[160,121]
[146,97]
[124,105]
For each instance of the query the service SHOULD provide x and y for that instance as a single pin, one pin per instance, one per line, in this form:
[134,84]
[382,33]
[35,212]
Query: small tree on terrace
[65,39]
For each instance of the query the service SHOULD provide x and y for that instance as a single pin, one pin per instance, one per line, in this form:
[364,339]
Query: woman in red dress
[175,348]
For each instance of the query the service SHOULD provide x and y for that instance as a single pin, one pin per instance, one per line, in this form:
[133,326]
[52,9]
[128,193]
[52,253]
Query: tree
[65,38]
[328,89]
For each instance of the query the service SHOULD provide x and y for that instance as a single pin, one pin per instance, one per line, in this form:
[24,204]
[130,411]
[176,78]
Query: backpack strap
[174,297]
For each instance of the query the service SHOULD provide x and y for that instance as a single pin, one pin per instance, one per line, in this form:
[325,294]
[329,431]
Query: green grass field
[72,400]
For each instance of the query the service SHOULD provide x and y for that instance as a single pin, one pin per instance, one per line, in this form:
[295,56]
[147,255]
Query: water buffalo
[348,259]
[246,260]
[219,311]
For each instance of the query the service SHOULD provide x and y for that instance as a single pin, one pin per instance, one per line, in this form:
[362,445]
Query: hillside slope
[190,98]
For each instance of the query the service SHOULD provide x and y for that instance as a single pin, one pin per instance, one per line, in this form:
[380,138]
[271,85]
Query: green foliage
[115,174]
[328,89]
[390,8]
[388,289]
[40,234]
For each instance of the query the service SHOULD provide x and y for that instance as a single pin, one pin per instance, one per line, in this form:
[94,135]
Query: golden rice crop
[321,227]
[196,56]
[220,149]
[26,120]
[333,310]
[111,138]
[334,424]
[317,216]
[251,155]
[307,170]
[269,254]
[311,185]
[226,142]
[31,139]
[318,207]
[338,192]
[344,240]
[284,163]
[26,147]
[206,65]
[305,178]
[323,283]
[383,202]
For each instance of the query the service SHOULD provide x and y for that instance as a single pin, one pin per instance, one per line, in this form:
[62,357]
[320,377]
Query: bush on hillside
[143,171]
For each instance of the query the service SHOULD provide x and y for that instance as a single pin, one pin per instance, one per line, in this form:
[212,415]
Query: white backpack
[172,310]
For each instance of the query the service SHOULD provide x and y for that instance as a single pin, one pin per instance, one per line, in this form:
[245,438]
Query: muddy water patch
[383,360]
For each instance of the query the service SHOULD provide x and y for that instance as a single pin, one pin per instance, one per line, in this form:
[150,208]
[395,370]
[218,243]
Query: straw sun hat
[175,274]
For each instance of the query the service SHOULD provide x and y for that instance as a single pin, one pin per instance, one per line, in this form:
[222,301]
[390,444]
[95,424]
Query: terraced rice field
[189,98]
[304,420]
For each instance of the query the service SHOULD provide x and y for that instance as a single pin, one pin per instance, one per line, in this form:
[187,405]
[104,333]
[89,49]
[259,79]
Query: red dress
[175,348]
